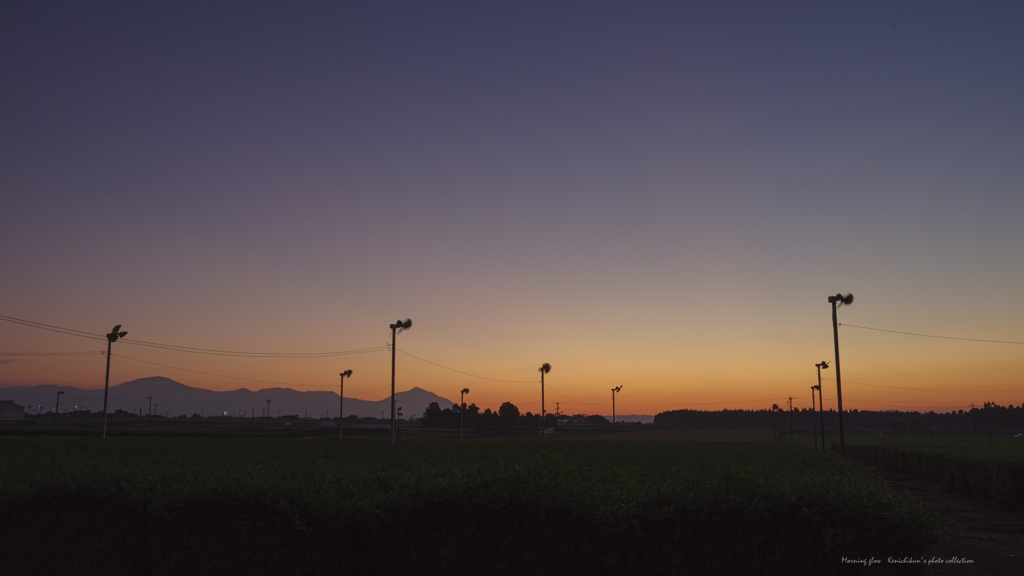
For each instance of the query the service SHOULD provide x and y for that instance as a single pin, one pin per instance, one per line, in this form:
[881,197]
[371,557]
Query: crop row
[994,473]
[271,506]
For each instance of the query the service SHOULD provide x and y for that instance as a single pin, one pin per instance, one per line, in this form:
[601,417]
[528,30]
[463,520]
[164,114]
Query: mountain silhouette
[174,398]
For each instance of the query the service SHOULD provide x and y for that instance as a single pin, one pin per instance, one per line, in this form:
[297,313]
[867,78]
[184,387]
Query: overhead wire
[467,373]
[51,328]
[928,389]
[233,377]
[234,353]
[189,349]
[931,335]
[33,354]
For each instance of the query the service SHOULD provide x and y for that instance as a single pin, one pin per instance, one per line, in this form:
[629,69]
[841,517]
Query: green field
[993,471]
[303,506]
[989,467]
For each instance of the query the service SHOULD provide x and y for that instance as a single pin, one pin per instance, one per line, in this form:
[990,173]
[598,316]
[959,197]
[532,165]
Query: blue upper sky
[581,175]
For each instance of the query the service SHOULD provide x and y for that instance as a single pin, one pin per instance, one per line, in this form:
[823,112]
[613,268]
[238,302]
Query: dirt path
[975,530]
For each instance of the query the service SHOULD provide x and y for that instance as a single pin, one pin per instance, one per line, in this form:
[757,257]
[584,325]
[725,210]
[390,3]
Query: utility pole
[813,423]
[252,419]
[268,411]
[614,390]
[974,418]
[462,410]
[790,415]
[111,338]
[821,404]
[150,410]
[836,301]
[341,403]
[960,421]
[56,411]
[544,369]
[400,325]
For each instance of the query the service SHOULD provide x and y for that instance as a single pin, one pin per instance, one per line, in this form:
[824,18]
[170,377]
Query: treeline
[989,418]
[507,416]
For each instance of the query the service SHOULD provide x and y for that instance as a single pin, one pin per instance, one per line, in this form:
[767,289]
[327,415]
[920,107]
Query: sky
[655,195]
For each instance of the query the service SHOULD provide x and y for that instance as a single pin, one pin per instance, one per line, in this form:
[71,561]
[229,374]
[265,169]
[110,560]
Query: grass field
[304,506]
[994,472]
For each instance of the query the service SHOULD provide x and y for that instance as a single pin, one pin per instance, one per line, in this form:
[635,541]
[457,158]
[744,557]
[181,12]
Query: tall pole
[462,410]
[150,417]
[790,415]
[56,411]
[111,338]
[813,422]
[839,378]
[341,407]
[268,411]
[106,387]
[542,434]
[614,390]
[544,369]
[821,411]
[394,346]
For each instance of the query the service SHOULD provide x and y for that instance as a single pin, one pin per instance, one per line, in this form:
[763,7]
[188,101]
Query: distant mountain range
[171,398]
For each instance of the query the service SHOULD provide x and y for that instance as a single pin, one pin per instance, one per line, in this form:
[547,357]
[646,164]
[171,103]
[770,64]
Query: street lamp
[341,404]
[813,422]
[544,369]
[111,338]
[56,411]
[823,365]
[462,410]
[836,301]
[614,390]
[395,328]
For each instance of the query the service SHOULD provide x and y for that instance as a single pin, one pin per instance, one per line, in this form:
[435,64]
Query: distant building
[11,411]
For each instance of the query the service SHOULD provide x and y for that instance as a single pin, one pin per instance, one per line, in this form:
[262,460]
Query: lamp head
[114,334]
[617,388]
[401,325]
[545,368]
[465,390]
[346,373]
[840,299]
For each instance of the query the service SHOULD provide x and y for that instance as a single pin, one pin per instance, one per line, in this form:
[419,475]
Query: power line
[213,352]
[232,377]
[467,373]
[932,335]
[713,403]
[189,349]
[19,354]
[929,389]
[49,328]
[577,401]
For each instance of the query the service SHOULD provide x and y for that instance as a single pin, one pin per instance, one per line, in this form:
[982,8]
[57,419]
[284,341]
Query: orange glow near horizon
[880,372]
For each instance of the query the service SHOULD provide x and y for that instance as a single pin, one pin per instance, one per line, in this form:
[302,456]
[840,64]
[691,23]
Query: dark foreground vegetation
[317,506]
[993,472]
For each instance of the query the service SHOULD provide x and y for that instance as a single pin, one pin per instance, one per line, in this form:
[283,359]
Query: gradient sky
[658,195]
